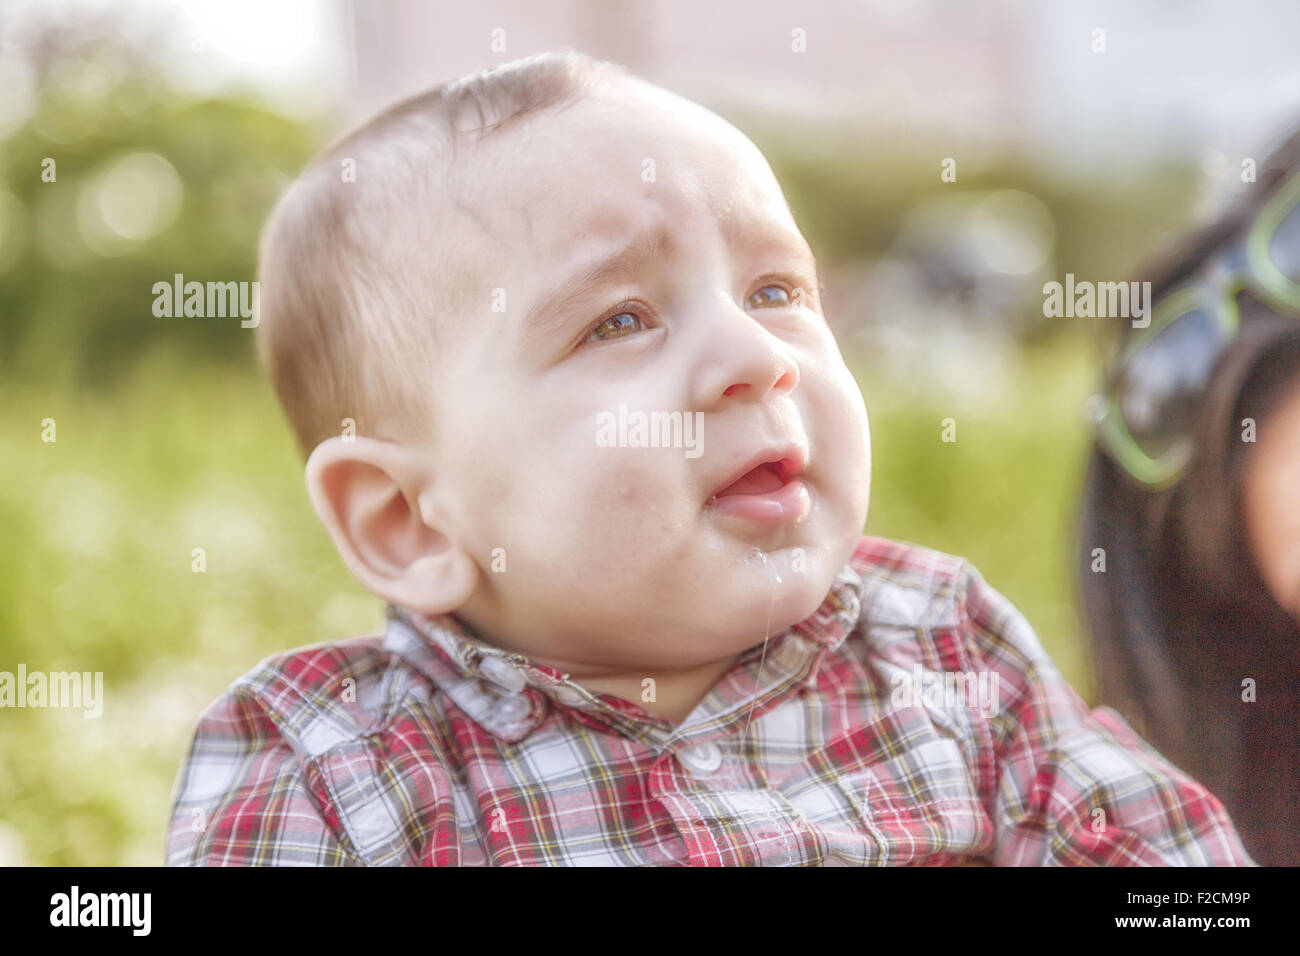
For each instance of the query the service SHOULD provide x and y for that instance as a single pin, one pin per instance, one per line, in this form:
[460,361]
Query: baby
[553,345]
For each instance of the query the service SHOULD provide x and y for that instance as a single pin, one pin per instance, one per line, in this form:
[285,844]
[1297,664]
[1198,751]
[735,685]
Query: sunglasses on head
[1146,412]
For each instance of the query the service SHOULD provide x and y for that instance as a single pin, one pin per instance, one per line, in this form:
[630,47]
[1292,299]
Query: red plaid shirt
[425,746]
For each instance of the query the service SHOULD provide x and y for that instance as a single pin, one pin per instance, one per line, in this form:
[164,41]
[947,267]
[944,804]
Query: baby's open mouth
[770,492]
[769,476]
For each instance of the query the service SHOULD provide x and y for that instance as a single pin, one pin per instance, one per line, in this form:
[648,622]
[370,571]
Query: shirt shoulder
[259,784]
[906,585]
[1064,783]
[321,695]
[941,607]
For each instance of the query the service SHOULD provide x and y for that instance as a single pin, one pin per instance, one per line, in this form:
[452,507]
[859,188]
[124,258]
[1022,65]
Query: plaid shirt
[425,746]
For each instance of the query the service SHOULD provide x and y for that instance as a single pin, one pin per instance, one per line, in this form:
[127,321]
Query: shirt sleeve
[1075,786]
[244,798]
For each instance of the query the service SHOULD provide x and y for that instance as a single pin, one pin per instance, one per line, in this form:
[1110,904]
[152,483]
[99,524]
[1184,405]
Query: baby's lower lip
[782,505]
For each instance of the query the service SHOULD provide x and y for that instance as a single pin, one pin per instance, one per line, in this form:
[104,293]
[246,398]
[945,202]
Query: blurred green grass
[1004,494]
[98,530]
[96,573]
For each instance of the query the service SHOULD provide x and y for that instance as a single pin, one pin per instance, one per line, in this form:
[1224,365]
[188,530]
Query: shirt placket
[719,798]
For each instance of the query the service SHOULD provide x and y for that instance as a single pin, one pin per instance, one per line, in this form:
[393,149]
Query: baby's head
[520,287]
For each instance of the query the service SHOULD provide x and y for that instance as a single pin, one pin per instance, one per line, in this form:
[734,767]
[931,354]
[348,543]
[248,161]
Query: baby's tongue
[757,482]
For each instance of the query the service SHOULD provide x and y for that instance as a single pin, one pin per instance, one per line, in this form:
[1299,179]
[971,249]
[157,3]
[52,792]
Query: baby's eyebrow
[551,309]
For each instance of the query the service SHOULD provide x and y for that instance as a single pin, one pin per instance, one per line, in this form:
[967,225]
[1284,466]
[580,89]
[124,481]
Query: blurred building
[1162,76]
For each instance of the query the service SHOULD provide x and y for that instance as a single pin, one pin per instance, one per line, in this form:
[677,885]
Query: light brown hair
[357,271]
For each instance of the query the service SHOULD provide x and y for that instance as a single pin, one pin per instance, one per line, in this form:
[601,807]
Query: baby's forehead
[612,160]
[637,174]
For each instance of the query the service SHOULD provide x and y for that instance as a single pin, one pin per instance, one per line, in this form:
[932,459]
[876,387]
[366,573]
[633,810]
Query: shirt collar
[508,694]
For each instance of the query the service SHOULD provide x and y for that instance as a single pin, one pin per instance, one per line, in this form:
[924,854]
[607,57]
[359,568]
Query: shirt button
[512,709]
[570,696]
[700,758]
[503,674]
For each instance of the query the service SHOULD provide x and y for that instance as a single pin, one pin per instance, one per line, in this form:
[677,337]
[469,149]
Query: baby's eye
[769,295]
[616,326]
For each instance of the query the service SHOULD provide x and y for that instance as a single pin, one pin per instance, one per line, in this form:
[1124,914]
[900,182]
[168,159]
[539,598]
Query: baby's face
[617,554]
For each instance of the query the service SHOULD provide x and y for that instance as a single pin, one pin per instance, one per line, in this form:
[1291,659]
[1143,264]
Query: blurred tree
[116,181]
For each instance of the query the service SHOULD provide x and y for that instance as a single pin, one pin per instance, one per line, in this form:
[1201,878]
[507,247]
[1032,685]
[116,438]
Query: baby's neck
[677,693]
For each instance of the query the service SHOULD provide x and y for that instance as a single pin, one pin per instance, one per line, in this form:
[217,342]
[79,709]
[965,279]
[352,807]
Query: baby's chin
[768,592]
[765,569]
[811,559]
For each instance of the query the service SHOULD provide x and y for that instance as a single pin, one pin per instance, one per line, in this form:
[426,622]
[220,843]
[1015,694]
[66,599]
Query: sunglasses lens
[1284,247]
[1159,393]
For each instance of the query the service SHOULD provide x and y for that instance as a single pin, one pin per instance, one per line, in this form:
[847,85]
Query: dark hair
[1181,616]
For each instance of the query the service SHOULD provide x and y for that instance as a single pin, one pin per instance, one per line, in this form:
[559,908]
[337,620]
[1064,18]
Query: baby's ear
[368,494]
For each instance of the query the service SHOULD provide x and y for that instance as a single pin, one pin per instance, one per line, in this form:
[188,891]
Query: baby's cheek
[836,416]
[604,532]
[627,495]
